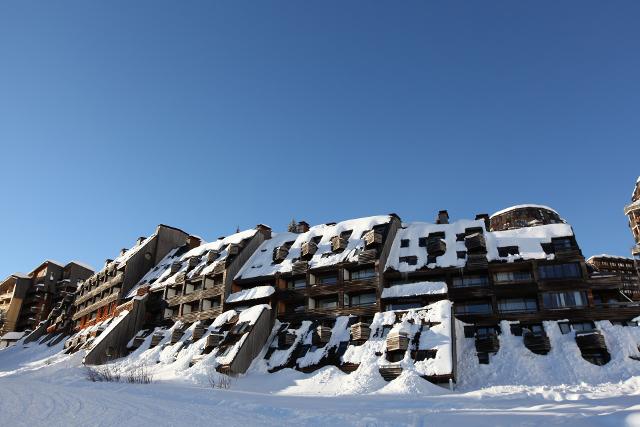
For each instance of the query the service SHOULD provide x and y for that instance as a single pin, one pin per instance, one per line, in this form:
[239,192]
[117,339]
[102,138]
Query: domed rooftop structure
[633,212]
[521,216]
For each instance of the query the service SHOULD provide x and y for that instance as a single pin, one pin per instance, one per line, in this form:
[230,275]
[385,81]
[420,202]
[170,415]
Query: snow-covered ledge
[253,293]
[414,289]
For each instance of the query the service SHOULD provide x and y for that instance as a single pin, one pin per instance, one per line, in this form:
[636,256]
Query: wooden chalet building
[522,265]
[321,272]
[26,300]
[191,284]
[621,266]
[632,210]
[100,294]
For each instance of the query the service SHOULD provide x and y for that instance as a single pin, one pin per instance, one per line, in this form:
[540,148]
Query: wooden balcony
[372,238]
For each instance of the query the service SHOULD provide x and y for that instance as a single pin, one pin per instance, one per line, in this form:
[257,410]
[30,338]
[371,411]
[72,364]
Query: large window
[560,271]
[515,305]
[366,273]
[473,308]
[512,276]
[328,303]
[403,306]
[562,243]
[327,279]
[363,299]
[469,281]
[564,299]
[300,283]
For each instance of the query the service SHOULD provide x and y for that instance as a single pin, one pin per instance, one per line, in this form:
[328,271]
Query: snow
[12,336]
[252,314]
[250,294]
[413,289]
[415,230]
[609,256]
[112,324]
[160,276]
[511,208]
[516,388]
[529,241]
[261,264]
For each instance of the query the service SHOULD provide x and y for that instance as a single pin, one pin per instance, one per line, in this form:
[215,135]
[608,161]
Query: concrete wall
[253,344]
[394,225]
[154,249]
[114,344]
[237,263]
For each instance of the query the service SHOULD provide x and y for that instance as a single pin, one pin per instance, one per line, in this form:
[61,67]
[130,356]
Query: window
[422,242]
[512,276]
[582,326]
[363,299]
[515,305]
[328,303]
[300,283]
[564,299]
[404,243]
[562,243]
[473,308]
[327,279]
[485,331]
[505,251]
[366,273]
[403,306]
[469,281]
[564,328]
[460,237]
[461,254]
[537,330]
[411,260]
[560,271]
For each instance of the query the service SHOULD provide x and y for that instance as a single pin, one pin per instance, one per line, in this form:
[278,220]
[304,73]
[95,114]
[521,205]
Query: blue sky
[207,115]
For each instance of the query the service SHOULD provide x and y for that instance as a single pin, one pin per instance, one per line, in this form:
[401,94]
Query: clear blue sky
[206,115]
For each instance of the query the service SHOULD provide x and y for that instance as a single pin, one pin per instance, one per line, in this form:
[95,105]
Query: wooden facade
[633,212]
[29,300]
[100,294]
[351,286]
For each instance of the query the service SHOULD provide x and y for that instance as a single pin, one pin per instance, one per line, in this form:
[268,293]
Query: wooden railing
[116,280]
[95,306]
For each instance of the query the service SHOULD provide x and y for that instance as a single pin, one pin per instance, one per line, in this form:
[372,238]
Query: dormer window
[505,251]
[411,260]
[562,244]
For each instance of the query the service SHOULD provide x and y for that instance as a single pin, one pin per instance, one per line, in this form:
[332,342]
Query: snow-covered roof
[414,231]
[414,289]
[251,294]
[81,264]
[626,258]
[161,275]
[529,241]
[510,208]
[12,336]
[261,262]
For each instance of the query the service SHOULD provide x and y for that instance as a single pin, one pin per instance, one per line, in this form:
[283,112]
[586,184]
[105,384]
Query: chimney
[265,230]
[193,242]
[140,240]
[302,227]
[107,262]
[122,251]
[443,217]
[485,218]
